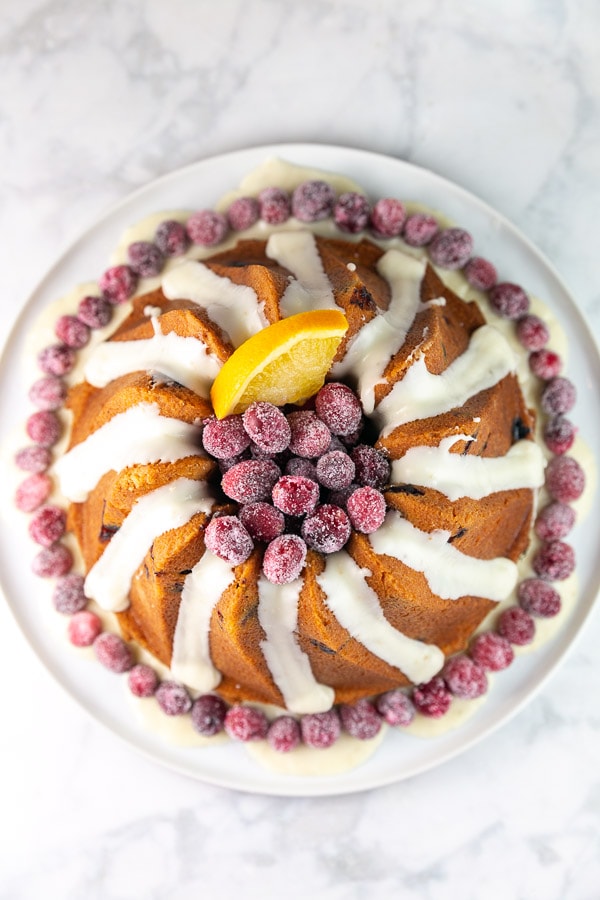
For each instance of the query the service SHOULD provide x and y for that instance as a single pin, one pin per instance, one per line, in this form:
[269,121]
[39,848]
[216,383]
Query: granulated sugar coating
[310,436]
[226,537]
[432,699]
[387,217]
[321,730]
[465,678]
[225,438]
[539,598]
[492,651]
[207,228]
[284,559]
[251,480]
[509,300]
[451,248]
[267,426]
[173,698]
[516,626]
[554,521]
[275,205]
[396,708]
[118,284]
[361,719]
[339,408]
[243,213]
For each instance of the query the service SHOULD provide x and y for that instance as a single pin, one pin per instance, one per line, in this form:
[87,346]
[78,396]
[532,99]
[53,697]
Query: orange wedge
[284,363]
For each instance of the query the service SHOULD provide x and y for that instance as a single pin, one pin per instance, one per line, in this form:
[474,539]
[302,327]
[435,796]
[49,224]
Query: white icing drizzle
[450,574]
[378,340]
[109,580]
[186,360]
[138,436]
[233,307]
[310,289]
[457,476]
[419,395]
[203,587]
[287,662]
[356,607]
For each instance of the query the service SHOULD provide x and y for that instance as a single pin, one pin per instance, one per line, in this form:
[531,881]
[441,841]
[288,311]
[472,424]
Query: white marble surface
[98,98]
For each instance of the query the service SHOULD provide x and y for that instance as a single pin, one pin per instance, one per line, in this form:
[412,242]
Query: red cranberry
[295,495]
[207,227]
[341,497]
[33,459]
[56,360]
[112,651]
[145,259]
[480,273]
[312,201]
[142,680]
[95,312]
[465,679]
[171,238]
[52,562]
[372,467]
[297,465]
[284,559]
[366,509]
[516,626]
[419,230]
[451,248]
[320,730]
[554,561]
[72,332]
[48,525]
[224,438]
[327,529]
[339,408]
[43,428]
[83,628]
[509,300]
[545,364]
[243,213]
[251,480]
[262,521]
[310,437]
[118,284]
[351,212]
[267,426]
[492,651]
[387,217]
[432,699]
[361,719]
[396,708]
[565,479]
[68,596]
[32,492]
[554,521]
[48,393]
[226,537]
[559,435]
[173,698]
[275,205]
[208,714]
[244,723]
[532,332]
[335,470]
[539,598]
[558,396]
[284,734]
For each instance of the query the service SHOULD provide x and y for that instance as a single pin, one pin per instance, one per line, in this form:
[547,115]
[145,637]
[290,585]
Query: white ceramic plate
[100,692]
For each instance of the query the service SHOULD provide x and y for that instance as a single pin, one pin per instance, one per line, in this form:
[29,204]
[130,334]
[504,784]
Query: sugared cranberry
[118,284]
[295,495]
[432,699]
[245,723]
[226,464]
[351,212]
[224,438]
[48,393]
[565,479]
[451,248]
[313,201]
[145,259]
[226,537]
[554,561]
[297,465]
[516,626]
[545,364]
[396,708]
[83,628]
[262,521]
[68,596]
[48,525]
[32,492]
[339,408]
[142,680]
[43,428]
[480,273]
[207,227]
[327,529]
[554,521]
[366,509]
[310,437]
[267,426]
[361,719]
[558,396]
[335,470]
[173,698]
[251,480]
[52,562]
[57,359]
[372,467]
[492,651]
[72,331]
[420,229]
[559,435]
[387,217]
[284,559]
[33,459]
[243,213]
[171,238]
[320,730]
[208,714]
[275,205]
[532,332]
[284,734]
[465,679]
[341,497]
[538,598]
[112,651]
[509,300]
[95,312]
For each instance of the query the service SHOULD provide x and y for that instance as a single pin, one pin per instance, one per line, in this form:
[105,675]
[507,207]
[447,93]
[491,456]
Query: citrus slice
[284,363]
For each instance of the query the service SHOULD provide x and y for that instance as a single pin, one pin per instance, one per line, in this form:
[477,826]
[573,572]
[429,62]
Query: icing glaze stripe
[356,607]
[449,573]
[138,436]
[109,581]
[310,289]
[191,662]
[455,475]
[420,395]
[288,664]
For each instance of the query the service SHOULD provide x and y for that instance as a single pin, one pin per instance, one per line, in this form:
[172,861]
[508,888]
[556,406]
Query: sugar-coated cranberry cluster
[302,475]
[301,479]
